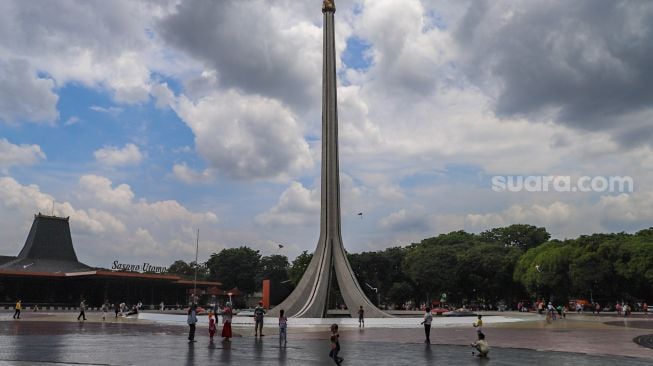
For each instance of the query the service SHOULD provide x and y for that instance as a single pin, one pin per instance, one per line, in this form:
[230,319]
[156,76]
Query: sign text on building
[145,267]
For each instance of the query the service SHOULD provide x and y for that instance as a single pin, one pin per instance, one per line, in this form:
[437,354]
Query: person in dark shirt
[335,345]
[82,308]
[259,313]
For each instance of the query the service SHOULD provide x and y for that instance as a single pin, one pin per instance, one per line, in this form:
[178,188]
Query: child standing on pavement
[478,324]
[283,325]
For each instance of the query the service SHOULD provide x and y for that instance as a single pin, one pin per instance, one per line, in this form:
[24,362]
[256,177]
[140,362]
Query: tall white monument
[310,297]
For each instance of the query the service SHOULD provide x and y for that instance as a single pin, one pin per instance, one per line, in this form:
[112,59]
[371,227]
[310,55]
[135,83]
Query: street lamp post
[197,247]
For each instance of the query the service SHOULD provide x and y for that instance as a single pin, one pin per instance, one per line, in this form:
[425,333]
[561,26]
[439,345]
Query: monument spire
[310,297]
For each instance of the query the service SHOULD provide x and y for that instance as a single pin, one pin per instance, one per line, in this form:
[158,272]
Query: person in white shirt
[428,318]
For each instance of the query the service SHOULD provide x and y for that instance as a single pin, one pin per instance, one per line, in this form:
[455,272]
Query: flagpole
[197,247]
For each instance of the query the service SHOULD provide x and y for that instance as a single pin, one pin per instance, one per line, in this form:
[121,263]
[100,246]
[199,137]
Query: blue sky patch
[355,56]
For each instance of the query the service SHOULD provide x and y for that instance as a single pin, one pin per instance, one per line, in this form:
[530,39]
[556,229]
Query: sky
[145,121]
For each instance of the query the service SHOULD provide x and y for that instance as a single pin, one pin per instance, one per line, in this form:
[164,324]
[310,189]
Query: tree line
[502,265]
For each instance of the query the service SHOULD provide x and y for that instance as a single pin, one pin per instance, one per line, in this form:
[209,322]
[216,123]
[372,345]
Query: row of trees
[241,267]
[509,264]
[607,267]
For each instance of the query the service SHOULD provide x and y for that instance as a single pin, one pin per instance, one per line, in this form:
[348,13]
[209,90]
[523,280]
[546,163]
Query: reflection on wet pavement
[61,343]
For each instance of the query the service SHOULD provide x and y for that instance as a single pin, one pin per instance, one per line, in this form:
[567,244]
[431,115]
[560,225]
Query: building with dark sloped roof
[48,248]
[47,271]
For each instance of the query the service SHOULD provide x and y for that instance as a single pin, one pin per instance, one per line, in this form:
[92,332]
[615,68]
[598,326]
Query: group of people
[259,315]
[626,309]
[553,312]
[227,314]
[120,309]
[480,345]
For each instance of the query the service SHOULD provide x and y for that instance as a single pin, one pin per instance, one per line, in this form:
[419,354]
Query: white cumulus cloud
[246,136]
[297,206]
[108,222]
[14,155]
[188,175]
[114,156]
[23,95]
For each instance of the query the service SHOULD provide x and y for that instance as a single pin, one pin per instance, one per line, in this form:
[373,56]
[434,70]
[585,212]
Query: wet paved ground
[641,324]
[644,340]
[122,343]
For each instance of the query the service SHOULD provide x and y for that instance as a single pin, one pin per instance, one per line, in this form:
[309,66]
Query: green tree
[235,267]
[518,235]
[634,265]
[451,239]
[299,266]
[589,273]
[400,292]
[380,270]
[544,270]
[433,269]
[274,268]
[182,268]
[485,273]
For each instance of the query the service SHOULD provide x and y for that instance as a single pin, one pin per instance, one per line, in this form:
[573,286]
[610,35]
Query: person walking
[361,317]
[259,313]
[551,311]
[82,308]
[192,320]
[116,309]
[428,318]
[105,309]
[226,322]
[283,327]
[18,308]
[335,345]
[212,326]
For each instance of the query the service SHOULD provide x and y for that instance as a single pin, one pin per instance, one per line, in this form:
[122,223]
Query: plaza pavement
[58,339]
